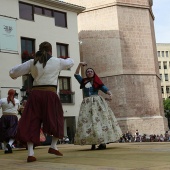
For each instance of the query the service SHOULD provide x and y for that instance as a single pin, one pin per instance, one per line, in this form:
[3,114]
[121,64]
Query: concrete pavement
[117,156]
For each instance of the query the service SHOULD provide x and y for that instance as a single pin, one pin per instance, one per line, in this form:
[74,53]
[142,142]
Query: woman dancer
[96,123]
[9,120]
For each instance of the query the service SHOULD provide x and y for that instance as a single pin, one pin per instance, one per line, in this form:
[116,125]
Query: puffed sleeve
[21,69]
[66,63]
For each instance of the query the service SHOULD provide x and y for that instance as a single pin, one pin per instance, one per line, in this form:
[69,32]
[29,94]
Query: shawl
[97,83]
[11,94]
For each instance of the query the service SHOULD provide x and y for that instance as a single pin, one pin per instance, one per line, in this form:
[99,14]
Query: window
[166,77]
[64,83]
[27,49]
[162,88]
[38,10]
[165,65]
[66,95]
[161,77]
[26,11]
[60,19]
[43,11]
[162,53]
[27,82]
[48,12]
[166,53]
[62,50]
[159,65]
[167,89]
[158,53]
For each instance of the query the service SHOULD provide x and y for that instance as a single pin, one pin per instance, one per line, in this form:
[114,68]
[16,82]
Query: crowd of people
[137,137]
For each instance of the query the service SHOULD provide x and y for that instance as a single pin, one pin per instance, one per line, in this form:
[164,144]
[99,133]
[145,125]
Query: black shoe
[102,146]
[93,147]
[9,149]
[6,151]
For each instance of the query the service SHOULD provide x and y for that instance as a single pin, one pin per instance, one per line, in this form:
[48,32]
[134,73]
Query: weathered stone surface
[97,3]
[118,41]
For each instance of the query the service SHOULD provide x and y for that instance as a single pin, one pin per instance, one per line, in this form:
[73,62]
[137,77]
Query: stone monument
[118,41]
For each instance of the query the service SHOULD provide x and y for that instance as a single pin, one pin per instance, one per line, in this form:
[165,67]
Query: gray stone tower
[118,41]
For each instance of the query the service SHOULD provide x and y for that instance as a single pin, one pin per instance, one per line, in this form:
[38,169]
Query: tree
[167,110]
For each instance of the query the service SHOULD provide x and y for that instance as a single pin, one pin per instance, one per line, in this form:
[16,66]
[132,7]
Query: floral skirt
[96,123]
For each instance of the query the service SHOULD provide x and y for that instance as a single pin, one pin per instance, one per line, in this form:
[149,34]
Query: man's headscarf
[11,94]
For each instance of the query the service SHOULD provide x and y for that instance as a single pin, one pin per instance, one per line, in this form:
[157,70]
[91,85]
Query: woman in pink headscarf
[9,120]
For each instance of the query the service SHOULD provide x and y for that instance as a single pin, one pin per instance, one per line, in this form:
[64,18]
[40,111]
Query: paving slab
[117,156]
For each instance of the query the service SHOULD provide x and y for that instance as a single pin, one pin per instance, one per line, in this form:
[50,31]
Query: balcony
[66,96]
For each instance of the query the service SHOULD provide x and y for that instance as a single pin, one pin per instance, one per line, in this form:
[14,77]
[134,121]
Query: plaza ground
[117,156]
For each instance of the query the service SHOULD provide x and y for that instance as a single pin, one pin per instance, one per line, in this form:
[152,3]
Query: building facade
[118,41]
[23,27]
[163,53]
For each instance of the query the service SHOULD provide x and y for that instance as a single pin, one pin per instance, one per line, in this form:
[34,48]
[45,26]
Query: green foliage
[167,107]
[166,104]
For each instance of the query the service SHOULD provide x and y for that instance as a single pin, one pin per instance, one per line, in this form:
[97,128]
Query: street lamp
[23,92]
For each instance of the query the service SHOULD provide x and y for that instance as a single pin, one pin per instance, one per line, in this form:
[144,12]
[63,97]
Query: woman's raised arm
[79,66]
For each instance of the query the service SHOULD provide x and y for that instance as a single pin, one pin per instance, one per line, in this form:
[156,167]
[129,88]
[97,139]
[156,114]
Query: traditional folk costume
[9,120]
[96,123]
[43,104]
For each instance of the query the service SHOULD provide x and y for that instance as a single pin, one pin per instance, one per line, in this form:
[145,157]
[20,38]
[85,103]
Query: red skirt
[42,107]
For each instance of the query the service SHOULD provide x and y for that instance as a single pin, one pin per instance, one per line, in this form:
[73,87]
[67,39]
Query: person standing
[9,120]
[21,108]
[43,104]
[96,123]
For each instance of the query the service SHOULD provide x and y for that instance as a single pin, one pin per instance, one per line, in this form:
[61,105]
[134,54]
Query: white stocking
[5,148]
[11,141]
[54,143]
[30,149]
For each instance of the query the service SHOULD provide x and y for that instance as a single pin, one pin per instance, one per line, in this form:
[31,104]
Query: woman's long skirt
[96,123]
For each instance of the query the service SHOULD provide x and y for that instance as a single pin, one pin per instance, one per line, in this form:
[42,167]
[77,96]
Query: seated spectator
[147,138]
[157,138]
[137,136]
[128,136]
[143,138]
[21,107]
[166,136]
[161,138]
[67,140]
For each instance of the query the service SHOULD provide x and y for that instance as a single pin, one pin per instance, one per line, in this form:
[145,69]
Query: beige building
[163,53]
[118,41]
[24,24]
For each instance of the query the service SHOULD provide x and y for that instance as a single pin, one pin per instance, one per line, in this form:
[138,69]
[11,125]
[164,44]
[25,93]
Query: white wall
[42,29]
